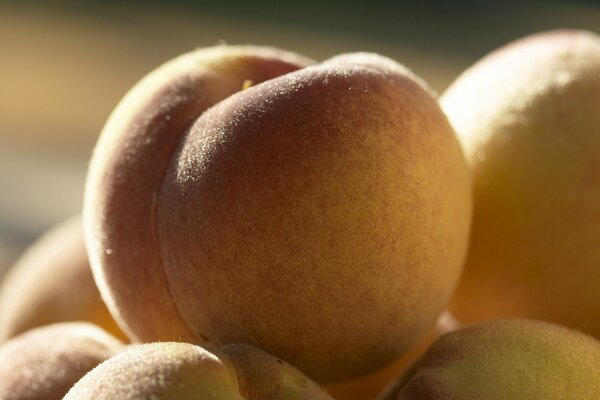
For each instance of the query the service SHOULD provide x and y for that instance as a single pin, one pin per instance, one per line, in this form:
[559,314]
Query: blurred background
[65,64]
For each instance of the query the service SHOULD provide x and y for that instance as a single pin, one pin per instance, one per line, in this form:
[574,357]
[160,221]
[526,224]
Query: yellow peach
[527,116]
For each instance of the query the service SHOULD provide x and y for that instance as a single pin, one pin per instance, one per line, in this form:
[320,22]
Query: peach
[43,363]
[183,371]
[329,200]
[527,116]
[508,359]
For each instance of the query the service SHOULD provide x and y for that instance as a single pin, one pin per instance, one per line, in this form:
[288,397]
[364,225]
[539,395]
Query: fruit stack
[262,227]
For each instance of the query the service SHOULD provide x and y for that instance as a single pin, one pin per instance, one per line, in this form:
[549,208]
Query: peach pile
[264,227]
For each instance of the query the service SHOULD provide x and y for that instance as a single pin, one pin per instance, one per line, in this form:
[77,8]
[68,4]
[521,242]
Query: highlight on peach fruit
[52,282]
[43,363]
[508,359]
[182,371]
[380,382]
[527,116]
[322,215]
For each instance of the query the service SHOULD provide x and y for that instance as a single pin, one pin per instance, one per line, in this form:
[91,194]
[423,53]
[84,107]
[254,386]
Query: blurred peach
[52,282]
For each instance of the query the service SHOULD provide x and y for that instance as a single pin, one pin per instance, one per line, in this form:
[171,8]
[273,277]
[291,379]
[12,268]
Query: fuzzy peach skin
[329,200]
[182,371]
[377,384]
[43,363]
[528,117]
[52,282]
[128,169]
[508,359]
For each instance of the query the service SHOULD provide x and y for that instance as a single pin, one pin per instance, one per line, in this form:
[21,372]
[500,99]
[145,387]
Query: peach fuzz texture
[183,371]
[43,363]
[508,359]
[329,200]
[128,168]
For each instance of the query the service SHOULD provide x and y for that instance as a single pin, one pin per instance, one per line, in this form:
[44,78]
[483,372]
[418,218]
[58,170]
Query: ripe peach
[182,371]
[508,359]
[43,363]
[329,200]
[527,116]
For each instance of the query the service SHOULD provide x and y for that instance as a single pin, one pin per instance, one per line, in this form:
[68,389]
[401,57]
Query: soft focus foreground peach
[329,200]
[508,359]
[43,363]
[52,282]
[370,386]
[182,371]
[528,118]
